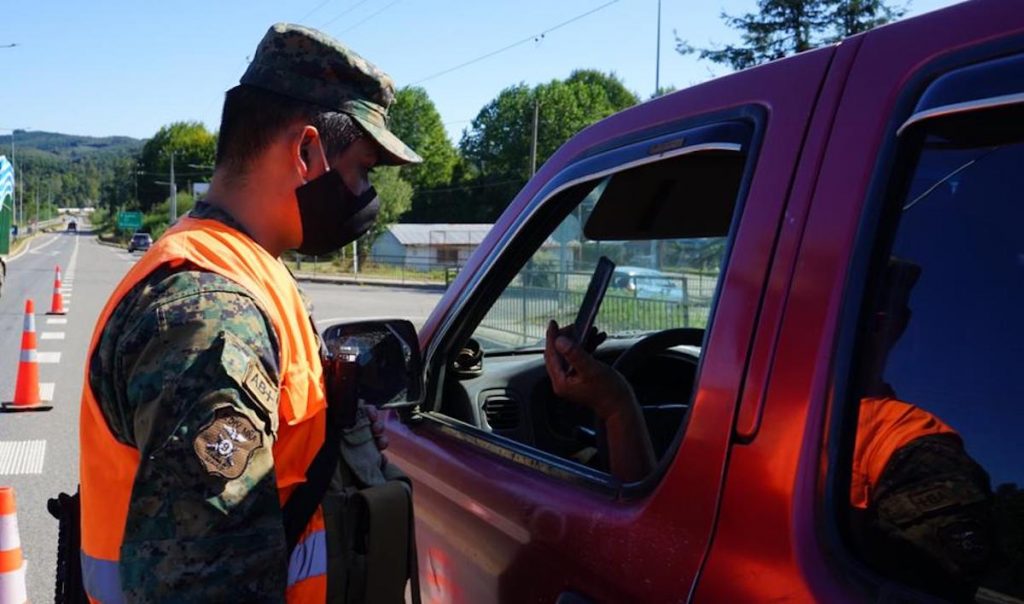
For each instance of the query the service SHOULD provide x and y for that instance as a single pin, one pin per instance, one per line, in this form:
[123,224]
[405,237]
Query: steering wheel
[629,361]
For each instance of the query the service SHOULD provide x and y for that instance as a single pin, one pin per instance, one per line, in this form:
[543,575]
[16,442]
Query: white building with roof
[428,245]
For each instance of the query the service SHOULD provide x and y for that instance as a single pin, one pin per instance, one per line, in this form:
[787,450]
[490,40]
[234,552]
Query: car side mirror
[387,352]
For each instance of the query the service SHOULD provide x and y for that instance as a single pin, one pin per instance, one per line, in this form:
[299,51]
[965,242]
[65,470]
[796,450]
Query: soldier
[205,401]
[920,505]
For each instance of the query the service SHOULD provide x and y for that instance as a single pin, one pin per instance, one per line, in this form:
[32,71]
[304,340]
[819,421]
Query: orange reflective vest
[883,427]
[108,467]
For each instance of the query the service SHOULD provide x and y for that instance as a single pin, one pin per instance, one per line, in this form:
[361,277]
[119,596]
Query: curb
[422,285]
[108,244]
[371,282]
[24,246]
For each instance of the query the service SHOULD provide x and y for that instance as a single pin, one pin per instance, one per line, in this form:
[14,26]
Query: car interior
[672,215]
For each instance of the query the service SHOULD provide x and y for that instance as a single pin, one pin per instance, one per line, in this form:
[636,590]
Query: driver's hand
[579,378]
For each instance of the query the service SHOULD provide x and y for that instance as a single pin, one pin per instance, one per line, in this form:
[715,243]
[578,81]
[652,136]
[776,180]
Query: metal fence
[521,314]
[377,266]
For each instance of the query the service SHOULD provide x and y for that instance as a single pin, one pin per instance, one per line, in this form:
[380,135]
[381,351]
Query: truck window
[665,222]
[937,471]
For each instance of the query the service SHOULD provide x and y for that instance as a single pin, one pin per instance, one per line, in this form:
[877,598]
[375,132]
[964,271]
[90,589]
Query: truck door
[514,498]
[882,398]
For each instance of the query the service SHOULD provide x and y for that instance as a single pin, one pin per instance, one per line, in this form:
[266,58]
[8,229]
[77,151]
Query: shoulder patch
[259,386]
[225,445]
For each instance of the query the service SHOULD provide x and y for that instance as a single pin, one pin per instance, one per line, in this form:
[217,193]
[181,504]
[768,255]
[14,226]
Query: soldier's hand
[377,427]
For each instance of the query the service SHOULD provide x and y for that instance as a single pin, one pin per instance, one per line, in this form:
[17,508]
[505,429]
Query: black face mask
[332,215]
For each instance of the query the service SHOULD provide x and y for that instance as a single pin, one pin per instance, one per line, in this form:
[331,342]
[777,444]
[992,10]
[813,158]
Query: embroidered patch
[258,385]
[227,443]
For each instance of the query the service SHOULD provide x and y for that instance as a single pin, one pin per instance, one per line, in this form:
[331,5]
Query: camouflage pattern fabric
[930,521]
[310,66]
[173,374]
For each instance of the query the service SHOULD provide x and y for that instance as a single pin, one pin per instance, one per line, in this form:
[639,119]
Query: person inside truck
[920,505]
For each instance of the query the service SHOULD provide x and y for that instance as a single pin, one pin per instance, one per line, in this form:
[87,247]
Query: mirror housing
[387,352]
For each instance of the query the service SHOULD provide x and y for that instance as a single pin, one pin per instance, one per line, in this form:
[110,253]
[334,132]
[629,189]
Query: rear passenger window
[938,455]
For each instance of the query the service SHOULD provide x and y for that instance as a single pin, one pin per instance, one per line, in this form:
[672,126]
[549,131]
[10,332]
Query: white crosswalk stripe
[22,456]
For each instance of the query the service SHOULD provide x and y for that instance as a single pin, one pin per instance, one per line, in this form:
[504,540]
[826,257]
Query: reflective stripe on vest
[309,558]
[102,580]
[108,467]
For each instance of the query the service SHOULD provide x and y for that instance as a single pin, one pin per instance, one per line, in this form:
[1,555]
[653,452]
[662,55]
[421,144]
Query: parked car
[647,284]
[3,275]
[866,191]
[140,241]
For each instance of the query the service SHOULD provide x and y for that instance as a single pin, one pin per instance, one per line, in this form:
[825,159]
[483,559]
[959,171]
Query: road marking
[53,321]
[46,391]
[22,456]
[52,335]
[48,357]
[28,246]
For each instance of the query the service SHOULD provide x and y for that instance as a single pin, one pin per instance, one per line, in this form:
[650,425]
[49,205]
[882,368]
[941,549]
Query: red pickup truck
[804,207]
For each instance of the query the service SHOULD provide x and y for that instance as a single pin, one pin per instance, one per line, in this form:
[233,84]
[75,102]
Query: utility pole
[174,193]
[533,143]
[657,57]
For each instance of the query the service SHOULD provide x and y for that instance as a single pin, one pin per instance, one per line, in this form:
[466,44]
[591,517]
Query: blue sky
[128,67]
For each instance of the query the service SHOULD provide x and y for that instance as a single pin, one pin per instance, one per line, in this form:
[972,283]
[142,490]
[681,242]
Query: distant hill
[68,146]
[69,170]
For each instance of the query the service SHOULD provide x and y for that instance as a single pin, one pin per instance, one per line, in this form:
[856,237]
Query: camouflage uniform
[174,365]
[174,352]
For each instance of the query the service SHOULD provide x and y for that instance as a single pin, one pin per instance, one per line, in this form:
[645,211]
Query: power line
[535,37]
[318,7]
[345,12]
[370,17]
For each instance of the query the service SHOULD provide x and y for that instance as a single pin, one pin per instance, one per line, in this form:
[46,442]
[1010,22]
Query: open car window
[664,225]
[664,216]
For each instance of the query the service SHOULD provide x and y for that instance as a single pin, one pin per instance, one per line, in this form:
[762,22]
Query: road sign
[129,220]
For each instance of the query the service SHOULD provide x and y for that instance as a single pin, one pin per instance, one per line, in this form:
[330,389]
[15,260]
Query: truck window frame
[875,234]
[503,263]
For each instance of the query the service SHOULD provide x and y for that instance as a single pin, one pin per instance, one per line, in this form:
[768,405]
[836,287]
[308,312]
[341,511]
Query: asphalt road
[39,450]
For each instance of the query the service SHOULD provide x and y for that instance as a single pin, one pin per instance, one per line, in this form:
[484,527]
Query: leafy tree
[192,145]
[395,199]
[783,27]
[415,120]
[498,141]
[850,17]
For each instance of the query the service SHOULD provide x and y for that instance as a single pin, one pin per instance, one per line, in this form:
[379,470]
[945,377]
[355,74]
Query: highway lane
[39,450]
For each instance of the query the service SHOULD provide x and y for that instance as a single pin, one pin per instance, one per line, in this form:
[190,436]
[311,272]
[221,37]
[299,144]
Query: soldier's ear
[308,153]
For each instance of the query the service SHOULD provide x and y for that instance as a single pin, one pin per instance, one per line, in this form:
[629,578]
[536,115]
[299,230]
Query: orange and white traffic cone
[57,306]
[26,386]
[12,564]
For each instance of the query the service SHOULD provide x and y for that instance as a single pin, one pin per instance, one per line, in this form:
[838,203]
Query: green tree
[395,200]
[192,145]
[499,139]
[783,27]
[496,147]
[415,120]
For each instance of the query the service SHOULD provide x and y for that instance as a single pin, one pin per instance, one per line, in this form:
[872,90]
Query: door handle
[572,597]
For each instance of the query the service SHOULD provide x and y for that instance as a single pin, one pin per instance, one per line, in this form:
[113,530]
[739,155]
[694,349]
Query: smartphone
[592,300]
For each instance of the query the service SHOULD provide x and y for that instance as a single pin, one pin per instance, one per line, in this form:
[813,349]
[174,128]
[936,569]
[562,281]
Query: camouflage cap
[308,65]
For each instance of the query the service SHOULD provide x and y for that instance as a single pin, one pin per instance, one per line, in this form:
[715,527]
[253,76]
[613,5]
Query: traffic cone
[26,387]
[57,306]
[12,564]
